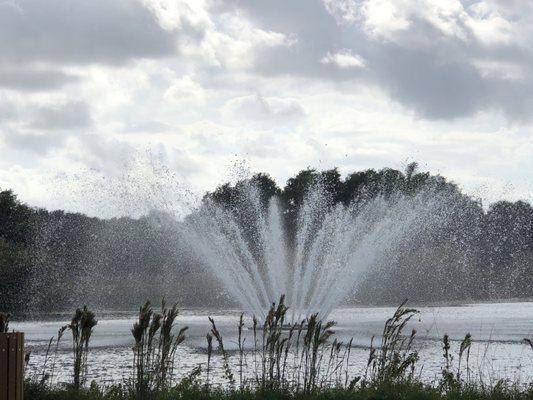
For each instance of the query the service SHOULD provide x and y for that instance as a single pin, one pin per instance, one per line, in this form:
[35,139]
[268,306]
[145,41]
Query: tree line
[50,260]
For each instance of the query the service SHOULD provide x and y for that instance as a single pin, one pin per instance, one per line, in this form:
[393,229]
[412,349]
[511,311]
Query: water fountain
[315,253]
[249,250]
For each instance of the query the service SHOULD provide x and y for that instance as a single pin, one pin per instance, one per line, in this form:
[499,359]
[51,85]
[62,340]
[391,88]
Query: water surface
[498,330]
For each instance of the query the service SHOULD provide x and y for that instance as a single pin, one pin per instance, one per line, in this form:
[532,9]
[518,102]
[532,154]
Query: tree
[16,219]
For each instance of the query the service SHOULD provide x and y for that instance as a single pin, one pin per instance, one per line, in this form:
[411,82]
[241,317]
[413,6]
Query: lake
[497,329]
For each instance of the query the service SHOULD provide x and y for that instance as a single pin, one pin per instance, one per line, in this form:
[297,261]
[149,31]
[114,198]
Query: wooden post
[11,366]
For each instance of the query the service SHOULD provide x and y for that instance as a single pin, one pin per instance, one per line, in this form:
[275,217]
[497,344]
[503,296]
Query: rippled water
[498,330]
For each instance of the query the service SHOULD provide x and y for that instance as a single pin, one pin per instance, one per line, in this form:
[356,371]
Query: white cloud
[234,48]
[186,90]
[387,19]
[344,59]
[257,108]
[488,25]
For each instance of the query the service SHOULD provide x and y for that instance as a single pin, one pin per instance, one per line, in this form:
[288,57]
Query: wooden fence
[11,365]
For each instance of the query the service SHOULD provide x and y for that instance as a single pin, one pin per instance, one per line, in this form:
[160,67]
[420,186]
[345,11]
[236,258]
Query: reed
[290,358]
[395,360]
[302,360]
[209,339]
[228,373]
[240,342]
[4,322]
[60,333]
[47,374]
[451,377]
[154,349]
[44,374]
[81,327]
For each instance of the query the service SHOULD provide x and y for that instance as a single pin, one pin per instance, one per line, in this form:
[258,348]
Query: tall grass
[398,391]
[395,359]
[81,326]
[154,349]
[298,357]
[302,360]
[228,373]
[452,378]
[4,322]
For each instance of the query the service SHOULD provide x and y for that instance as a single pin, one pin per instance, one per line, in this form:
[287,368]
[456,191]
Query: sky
[280,85]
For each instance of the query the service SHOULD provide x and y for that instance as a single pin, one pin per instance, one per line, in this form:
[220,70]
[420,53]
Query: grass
[383,391]
[154,349]
[81,327]
[4,322]
[304,361]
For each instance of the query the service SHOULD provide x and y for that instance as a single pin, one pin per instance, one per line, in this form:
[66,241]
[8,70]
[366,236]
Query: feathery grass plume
[314,342]
[154,349]
[44,375]
[81,326]
[240,342]
[298,356]
[395,360]
[143,332]
[4,322]
[371,358]
[168,344]
[209,339]
[60,333]
[228,374]
[254,329]
[47,376]
[447,356]
[27,355]
[356,379]
[306,344]
[464,348]
[189,382]
[276,346]
[452,380]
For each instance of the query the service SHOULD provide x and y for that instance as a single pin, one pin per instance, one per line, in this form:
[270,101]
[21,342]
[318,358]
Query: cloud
[78,32]
[18,78]
[39,144]
[7,110]
[100,153]
[260,108]
[41,129]
[354,83]
[442,59]
[344,59]
[70,115]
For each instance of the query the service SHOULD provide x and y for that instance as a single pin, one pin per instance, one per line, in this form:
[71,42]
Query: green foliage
[386,391]
[231,196]
[16,219]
